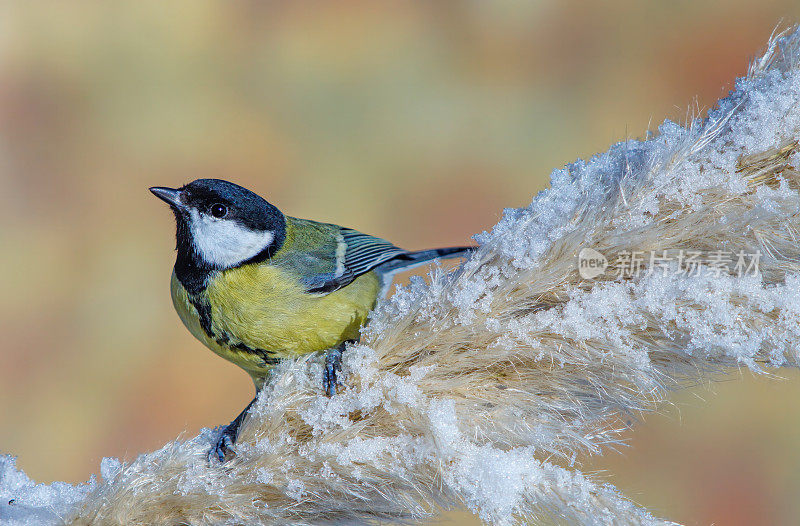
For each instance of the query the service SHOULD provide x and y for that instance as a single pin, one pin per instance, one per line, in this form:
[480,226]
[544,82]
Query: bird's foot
[333,369]
[223,449]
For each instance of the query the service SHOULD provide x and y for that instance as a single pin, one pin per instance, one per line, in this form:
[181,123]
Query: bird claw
[223,449]
[333,366]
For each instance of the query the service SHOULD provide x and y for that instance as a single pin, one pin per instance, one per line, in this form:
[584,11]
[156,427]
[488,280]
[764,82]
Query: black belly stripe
[261,353]
[204,315]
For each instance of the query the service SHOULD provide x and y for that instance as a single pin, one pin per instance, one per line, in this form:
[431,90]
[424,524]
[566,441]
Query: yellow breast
[261,307]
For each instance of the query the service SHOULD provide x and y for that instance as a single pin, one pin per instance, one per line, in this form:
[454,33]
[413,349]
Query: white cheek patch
[225,243]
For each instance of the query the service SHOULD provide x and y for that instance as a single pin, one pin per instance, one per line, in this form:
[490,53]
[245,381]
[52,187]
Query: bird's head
[222,225]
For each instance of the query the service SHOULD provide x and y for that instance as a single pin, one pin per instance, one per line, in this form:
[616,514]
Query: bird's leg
[224,446]
[333,366]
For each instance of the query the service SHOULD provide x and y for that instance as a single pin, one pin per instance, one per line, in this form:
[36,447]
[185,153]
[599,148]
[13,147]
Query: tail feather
[410,260]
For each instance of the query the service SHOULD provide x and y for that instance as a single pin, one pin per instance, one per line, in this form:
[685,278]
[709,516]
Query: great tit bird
[256,286]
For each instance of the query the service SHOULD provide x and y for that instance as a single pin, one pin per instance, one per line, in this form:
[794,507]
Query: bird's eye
[219,210]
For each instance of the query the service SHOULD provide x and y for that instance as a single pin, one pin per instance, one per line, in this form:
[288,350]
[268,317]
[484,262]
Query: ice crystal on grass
[25,503]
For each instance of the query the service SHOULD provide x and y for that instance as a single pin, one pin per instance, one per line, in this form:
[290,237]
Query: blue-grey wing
[363,252]
[356,254]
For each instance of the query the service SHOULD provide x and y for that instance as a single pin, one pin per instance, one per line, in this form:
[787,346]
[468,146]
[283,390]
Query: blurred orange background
[414,121]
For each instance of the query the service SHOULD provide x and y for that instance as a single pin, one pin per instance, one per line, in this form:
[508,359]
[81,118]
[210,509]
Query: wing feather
[358,254]
[364,252]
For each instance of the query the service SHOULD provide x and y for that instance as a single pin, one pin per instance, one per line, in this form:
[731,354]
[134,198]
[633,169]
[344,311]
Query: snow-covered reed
[655,263]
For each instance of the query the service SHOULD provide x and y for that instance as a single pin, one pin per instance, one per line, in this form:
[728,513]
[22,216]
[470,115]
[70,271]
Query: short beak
[169,195]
